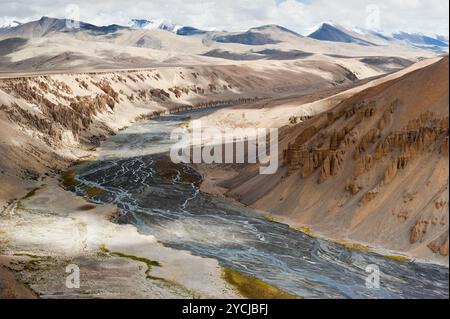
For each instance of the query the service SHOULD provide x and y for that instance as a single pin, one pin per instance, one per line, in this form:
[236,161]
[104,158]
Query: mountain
[46,26]
[51,43]
[190,31]
[165,25]
[267,34]
[418,39]
[442,38]
[335,33]
[367,166]
[154,24]
[11,24]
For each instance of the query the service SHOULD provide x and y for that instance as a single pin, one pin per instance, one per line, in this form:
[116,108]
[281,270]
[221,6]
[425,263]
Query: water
[163,199]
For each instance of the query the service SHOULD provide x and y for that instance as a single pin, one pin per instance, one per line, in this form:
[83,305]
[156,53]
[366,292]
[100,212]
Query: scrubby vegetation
[254,288]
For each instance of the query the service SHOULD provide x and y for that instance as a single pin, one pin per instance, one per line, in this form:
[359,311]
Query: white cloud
[427,16]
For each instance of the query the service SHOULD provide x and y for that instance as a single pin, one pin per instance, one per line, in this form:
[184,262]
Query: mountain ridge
[326,31]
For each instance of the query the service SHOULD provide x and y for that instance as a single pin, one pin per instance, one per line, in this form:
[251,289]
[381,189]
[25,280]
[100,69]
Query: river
[163,199]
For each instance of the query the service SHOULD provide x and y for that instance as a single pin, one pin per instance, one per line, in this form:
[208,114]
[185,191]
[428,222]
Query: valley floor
[44,228]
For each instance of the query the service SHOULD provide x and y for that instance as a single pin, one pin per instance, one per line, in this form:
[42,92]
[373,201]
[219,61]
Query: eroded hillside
[372,169]
[47,121]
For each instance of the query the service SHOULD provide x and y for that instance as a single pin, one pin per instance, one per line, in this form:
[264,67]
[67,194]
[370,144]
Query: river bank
[51,227]
[84,234]
[191,227]
[162,199]
[112,258]
[212,183]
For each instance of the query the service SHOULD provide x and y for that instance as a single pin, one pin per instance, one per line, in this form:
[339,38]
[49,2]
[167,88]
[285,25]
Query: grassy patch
[92,191]
[254,288]
[70,182]
[31,193]
[37,263]
[105,252]
[150,263]
[403,259]
[306,230]
[354,246]
[271,219]
[68,179]
[363,248]
[169,170]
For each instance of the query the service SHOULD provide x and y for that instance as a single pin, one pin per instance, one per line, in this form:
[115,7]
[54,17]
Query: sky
[424,16]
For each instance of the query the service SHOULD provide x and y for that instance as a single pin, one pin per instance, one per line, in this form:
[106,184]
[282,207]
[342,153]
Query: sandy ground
[106,253]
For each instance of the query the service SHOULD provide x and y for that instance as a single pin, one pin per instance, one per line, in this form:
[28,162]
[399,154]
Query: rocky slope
[49,121]
[46,121]
[372,168]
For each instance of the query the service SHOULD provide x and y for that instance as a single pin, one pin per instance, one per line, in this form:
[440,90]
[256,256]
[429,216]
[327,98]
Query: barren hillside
[47,121]
[372,169]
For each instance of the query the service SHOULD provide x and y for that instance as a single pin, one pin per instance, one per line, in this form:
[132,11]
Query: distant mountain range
[10,24]
[46,25]
[268,34]
[336,33]
[154,24]
[420,39]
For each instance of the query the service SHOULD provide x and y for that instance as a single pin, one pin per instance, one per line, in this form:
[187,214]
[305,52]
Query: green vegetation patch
[69,181]
[169,170]
[254,288]
[150,263]
[354,246]
[271,218]
[306,230]
[91,191]
[399,258]
[37,263]
[31,193]
[366,249]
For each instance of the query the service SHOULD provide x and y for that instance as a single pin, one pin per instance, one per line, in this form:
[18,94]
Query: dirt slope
[46,121]
[371,169]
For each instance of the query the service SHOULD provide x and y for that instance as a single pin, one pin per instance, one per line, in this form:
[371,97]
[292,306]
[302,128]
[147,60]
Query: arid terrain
[368,165]
[363,149]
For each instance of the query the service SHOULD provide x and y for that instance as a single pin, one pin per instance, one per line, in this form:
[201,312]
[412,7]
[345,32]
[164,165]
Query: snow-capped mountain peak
[154,24]
[419,39]
[9,24]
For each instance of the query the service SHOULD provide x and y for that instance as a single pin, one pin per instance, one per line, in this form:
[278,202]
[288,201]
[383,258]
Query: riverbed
[134,172]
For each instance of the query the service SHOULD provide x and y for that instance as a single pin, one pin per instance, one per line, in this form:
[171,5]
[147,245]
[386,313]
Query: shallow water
[163,199]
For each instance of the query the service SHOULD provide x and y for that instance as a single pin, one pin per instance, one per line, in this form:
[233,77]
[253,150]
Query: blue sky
[426,16]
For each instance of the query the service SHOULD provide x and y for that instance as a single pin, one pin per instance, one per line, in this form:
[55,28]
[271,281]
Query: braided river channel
[163,199]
